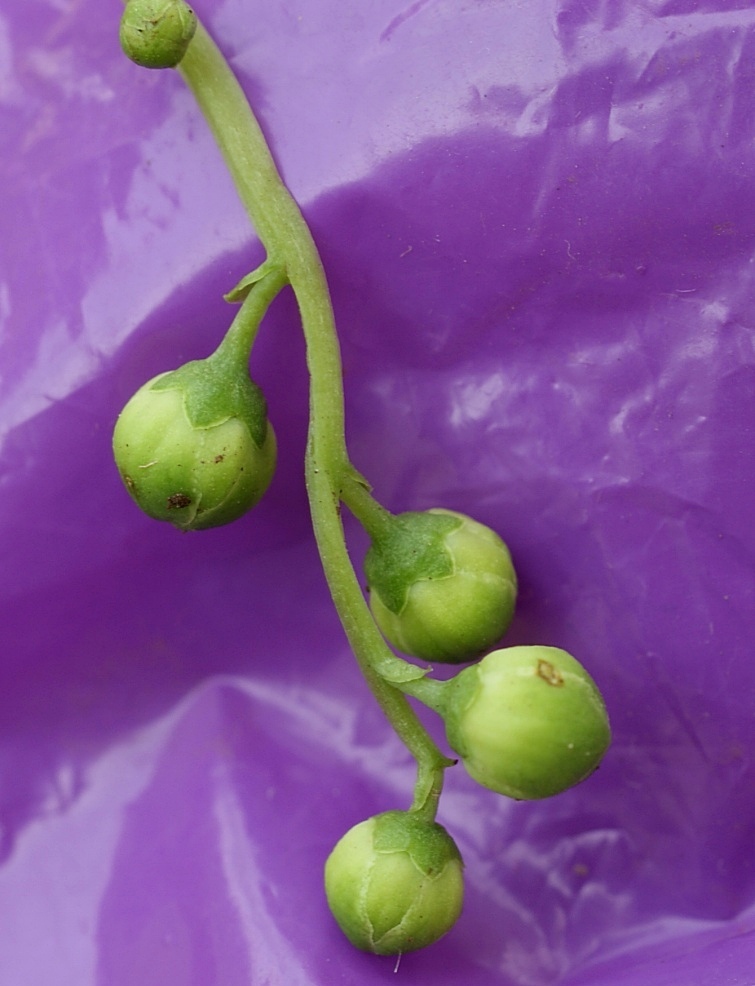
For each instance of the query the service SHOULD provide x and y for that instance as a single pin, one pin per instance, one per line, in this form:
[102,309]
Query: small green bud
[528,722]
[442,586]
[156,33]
[394,883]
[194,446]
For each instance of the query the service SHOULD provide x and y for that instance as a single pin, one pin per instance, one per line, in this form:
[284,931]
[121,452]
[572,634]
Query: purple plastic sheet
[538,225]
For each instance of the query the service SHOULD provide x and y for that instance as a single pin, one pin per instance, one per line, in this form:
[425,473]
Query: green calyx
[528,722]
[194,446]
[428,844]
[216,389]
[157,33]
[394,883]
[442,586]
[412,549]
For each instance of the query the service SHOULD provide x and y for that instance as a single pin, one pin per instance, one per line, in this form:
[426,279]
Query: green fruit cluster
[194,447]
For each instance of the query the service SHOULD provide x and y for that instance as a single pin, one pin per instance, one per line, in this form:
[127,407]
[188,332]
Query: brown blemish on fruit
[549,673]
[177,501]
[219,458]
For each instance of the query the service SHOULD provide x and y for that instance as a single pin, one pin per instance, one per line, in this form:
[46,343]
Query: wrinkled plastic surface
[538,224]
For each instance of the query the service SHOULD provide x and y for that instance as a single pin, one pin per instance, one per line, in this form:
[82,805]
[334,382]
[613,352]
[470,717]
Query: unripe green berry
[528,722]
[194,446]
[442,586]
[156,33]
[395,883]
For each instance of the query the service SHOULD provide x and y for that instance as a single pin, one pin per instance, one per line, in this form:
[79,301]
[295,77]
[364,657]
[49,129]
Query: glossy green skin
[394,883]
[194,477]
[461,607]
[156,33]
[528,722]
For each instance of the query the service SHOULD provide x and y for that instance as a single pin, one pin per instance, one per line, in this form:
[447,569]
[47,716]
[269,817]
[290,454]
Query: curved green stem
[241,142]
[239,339]
[363,634]
[371,514]
[281,227]
[329,473]
[429,691]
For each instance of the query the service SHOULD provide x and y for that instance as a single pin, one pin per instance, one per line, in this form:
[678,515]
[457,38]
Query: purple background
[538,223]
